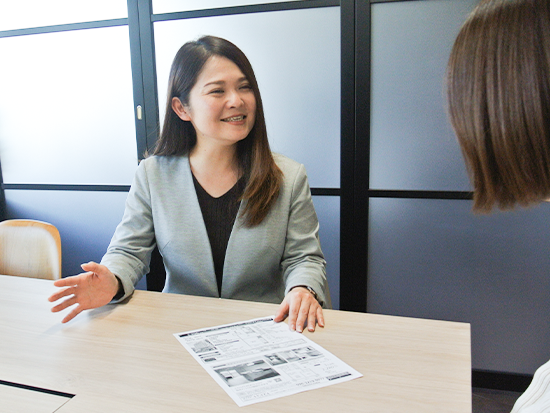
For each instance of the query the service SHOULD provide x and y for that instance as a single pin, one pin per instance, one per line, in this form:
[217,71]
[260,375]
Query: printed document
[259,360]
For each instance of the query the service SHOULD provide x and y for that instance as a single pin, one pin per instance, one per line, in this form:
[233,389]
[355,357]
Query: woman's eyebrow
[216,83]
[222,82]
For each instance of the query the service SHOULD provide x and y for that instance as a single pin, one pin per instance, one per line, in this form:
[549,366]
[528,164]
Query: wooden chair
[30,248]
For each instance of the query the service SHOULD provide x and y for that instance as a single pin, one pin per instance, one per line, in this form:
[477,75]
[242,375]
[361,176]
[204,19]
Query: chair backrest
[30,248]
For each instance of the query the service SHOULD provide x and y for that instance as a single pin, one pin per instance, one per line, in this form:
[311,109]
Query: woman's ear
[180,109]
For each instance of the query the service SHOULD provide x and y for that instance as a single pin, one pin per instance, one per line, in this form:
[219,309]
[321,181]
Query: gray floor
[493,401]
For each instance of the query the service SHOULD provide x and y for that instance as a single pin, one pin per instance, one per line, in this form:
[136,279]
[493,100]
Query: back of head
[498,80]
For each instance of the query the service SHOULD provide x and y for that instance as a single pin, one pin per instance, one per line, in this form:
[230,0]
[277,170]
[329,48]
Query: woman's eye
[217,91]
[246,86]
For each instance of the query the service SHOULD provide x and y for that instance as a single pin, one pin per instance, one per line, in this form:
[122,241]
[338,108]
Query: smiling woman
[221,107]
[202,64]
[230,218]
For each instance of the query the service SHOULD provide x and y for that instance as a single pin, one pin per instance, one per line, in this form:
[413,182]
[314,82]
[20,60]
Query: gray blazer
[262,263]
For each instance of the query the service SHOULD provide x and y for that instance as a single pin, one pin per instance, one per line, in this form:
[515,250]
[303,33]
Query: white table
[124,358]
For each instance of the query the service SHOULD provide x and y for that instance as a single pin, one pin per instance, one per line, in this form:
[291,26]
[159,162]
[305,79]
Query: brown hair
[178,137]
[498,80]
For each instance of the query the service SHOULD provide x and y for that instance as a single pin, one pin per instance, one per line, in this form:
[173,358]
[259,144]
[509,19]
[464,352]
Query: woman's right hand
[91,289]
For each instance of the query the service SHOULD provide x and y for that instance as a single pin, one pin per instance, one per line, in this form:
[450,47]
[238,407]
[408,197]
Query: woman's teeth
[234,119]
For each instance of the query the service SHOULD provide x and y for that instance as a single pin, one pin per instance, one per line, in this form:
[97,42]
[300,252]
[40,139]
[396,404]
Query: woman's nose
[235,99]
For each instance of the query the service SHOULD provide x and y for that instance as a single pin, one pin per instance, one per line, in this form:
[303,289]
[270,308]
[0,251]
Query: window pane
[412,142]
[436,259]
[170,6]
[86,220]
[66,108]
[296,58]
[328,212]
[24,14]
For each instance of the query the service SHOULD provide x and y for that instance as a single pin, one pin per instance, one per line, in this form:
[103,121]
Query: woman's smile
[234,119]
[222,105]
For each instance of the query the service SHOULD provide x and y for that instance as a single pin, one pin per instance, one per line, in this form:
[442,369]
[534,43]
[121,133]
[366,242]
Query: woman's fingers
[303,310]
[66,303]
[61,293]
[76,311]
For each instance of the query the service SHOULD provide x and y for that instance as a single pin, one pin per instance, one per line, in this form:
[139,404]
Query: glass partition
[436,259]
[86,220]
[170,6]
[412,143]
[328,212]
[66,108]
[296,58]
[24,14]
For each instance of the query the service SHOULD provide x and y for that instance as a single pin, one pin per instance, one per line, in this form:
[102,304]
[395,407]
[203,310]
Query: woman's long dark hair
[178,137]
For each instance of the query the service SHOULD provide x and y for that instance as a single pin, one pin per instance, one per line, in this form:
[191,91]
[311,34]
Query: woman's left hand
[300,306]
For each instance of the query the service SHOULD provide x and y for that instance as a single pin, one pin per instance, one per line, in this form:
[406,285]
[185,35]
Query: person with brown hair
[230,219]
[498,80]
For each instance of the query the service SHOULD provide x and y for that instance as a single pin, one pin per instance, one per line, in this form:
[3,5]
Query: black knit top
[219,215]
